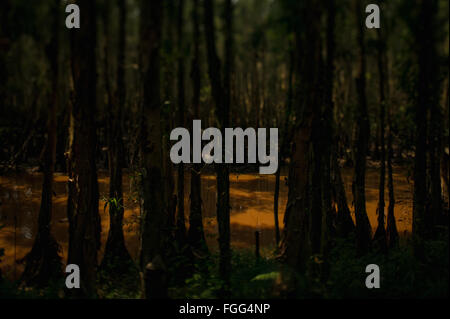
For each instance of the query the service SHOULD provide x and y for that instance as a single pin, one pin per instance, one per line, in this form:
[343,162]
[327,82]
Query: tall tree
[328,230]
[82,206]
[391,227]
[343,221]
[169,121]
[4,46]
[221,96]
[181,225]
[426,96]
[363,228]
[116,259]
[284,143]
[380,233]
[196,234]
[435,143]
[445,156]
[43,263]
[153,212]
[303,216]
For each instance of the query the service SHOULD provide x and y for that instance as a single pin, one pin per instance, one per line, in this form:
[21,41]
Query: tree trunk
[425,97]
[363,228]
[168,121]
[445,156]
[255,88]
[284,143]
[380,233]
[328,222]
[344,221]
[302,220]
[391,227]
[116,259]
[221,96]
[181,225]
[435,153]
[82,207]
[5,40]
[196,234]
[43,264]
[153,216]
[392,237]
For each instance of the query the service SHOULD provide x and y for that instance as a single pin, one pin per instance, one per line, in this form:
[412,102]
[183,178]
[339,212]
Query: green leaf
[268,276]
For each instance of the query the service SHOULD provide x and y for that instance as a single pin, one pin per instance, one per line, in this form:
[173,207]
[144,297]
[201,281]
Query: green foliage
[269,276]
[12,290]
[402,275]
[128,287]
[250,278]
[112,202]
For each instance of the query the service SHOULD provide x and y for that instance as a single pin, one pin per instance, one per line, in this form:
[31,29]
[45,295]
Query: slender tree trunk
[169,77]
[223,187]
[255,88]
[284,143]
[196,234]
[181,225]
[426,86]
[391,227]
[380,233]
[363,228]
[392,237]
[5,40]
[275,205]
[328,222]
[153,212]
[82,207]
[445,157]
[221,96]
[116,259]
[43,263]
[344,221]
[435,152]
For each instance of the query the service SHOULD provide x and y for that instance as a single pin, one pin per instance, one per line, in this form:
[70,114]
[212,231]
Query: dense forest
[363,149]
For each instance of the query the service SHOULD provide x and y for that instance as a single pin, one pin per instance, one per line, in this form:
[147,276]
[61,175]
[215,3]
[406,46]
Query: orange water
[251,197]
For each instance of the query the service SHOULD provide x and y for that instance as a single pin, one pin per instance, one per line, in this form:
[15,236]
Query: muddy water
[251,198]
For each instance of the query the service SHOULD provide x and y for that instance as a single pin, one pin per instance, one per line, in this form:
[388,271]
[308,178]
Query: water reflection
[251,200]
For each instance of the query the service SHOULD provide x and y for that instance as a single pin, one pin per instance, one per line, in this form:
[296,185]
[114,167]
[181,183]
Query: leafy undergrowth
[402,276]
[251,278]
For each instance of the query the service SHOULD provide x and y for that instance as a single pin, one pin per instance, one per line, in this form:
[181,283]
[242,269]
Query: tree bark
[380,233]
[328,220]
[363,228]
[302,220]
[435,154]
[391,227]
[284,143]
[196,234]
[82,207]
[116,259]
[5,40]
[181,224]
[425,98]
[153,216]
[392,237]
[42,263]
[220,92]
